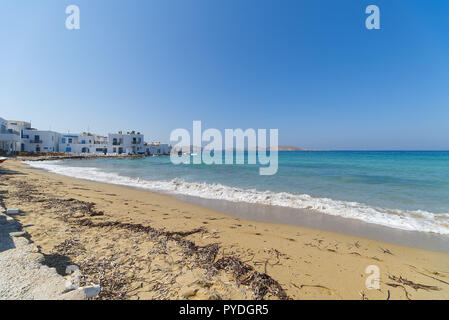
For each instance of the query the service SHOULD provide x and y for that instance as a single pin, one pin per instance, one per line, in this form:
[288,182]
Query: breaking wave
[417,220]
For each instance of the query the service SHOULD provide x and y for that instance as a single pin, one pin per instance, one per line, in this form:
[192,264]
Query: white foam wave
[406,220]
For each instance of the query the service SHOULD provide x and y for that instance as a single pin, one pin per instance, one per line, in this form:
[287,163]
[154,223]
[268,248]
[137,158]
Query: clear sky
[307,67]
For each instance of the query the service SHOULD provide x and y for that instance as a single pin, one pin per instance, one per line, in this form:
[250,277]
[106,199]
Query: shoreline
[302,217]
[308,218]
[306,263]
[415,220]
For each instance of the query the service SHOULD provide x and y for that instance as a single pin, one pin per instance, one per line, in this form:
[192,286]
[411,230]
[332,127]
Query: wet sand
[142,245]
[321,221]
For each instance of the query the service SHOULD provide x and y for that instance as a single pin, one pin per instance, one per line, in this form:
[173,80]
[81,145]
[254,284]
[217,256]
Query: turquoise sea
[401,189]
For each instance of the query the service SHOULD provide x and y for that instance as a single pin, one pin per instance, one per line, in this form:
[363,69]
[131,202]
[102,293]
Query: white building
[68,143]
[20,136]
[157,148]
[85,143]
[19,126]
[115,143]
[129,143]
[33,140]
[9,138]
[39,141]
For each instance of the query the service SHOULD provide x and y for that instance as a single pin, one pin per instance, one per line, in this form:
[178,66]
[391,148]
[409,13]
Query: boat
[3,159]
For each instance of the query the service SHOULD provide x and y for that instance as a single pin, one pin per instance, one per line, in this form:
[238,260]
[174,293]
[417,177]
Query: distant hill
[289,148]
[283,148]
[280,148]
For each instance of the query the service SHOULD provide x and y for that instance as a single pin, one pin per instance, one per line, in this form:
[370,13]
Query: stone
[91,291]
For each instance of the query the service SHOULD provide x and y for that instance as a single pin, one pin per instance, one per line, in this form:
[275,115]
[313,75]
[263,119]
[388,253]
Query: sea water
[407,190]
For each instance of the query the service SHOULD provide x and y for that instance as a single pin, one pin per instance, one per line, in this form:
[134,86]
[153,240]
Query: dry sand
[142,245]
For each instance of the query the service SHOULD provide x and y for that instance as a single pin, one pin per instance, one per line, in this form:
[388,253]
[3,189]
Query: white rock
[91,291]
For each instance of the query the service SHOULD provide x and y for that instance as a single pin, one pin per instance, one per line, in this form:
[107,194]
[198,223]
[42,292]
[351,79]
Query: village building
[84,143]
[9,138]
[39,141]
[157,148]
[33,140]
[20,136]
[129,143]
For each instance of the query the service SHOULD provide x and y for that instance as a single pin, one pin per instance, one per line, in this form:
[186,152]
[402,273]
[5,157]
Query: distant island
[290,148]
[280,148]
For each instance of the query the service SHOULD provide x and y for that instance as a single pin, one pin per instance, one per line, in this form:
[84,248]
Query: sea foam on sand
[417,220]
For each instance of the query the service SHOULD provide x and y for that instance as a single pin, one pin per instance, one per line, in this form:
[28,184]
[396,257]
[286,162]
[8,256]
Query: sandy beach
[142,245]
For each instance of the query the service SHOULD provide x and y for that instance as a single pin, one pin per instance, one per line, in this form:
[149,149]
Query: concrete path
[22,272]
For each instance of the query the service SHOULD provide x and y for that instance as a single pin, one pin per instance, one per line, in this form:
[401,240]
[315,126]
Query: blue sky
[309,68]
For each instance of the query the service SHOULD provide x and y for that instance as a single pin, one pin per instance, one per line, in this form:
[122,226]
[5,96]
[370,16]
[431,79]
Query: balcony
[35,141]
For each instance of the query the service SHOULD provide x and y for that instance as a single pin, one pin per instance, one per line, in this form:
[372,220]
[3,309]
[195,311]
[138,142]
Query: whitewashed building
[9,138]
[157,148]
[68,143]
[39,141]
[85,143]
[129,143]
[20,136]
[19,126]
[33,140]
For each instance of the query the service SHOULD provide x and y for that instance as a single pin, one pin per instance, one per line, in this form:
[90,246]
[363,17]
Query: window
[63,140]
[70,140]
